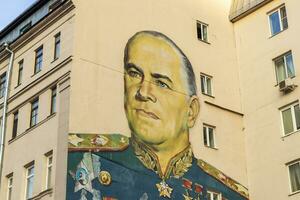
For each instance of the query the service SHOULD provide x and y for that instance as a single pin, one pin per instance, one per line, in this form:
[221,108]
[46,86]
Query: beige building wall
[96,95]
[268,151]
[33,144]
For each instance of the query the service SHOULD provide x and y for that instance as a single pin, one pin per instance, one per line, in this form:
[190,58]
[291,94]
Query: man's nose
[145,92]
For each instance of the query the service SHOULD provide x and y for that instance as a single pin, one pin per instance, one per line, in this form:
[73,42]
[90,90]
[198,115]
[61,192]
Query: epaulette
[220,176]
[97,142]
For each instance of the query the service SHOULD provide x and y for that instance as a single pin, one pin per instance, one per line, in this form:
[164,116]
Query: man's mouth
[147,114]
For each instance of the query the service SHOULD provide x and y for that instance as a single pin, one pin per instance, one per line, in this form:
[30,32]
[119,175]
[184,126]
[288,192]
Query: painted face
[156,100]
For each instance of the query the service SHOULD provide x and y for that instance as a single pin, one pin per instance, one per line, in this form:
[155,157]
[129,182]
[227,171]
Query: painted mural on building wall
[157,161]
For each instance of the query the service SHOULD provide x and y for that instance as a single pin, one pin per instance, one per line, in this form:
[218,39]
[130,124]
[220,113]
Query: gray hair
[187,66]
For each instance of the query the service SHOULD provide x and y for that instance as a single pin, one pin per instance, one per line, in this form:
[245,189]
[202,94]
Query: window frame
[292,107]
[9,186]
[53,107]
[27,177]
[207,127]
[25,28]
[15,124]
[48,182]
[20,72]
[289,175]
[277,9]
[3,79]
[199,26]
[32,115]
[57,45]
[205,92]
[284,56]
[38,64]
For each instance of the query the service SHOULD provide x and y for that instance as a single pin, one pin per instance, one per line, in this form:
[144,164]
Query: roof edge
[24,15]
[243,12]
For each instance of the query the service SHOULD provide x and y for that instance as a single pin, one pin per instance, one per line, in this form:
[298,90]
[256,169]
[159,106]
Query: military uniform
[110,167]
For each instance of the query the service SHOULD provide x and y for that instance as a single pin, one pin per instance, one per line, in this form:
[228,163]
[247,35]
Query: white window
[278,20]
[209,136]
[56,46]
[213,196]
[206,84]
[29,182]
[9,187]
[20,73]
[49,172]
[284,67]
[34,112]
[53,100]
[25,28]
[290,118]
[202,31]
[38,60]
[294,172]
[2,84]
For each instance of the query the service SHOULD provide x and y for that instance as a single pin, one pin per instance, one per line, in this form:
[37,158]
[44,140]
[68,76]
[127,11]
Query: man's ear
[194,109]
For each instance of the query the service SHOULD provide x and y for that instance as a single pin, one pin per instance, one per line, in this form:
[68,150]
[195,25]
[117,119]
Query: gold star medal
[164,189]
[187,197]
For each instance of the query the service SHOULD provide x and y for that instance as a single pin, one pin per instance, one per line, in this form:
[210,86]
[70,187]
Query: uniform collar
[177,166]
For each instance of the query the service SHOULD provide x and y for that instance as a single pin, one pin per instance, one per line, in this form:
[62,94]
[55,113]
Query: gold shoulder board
[220,176]
[97,142]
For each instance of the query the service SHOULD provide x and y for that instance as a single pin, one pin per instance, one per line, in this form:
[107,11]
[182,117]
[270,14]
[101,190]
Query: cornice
[38,28]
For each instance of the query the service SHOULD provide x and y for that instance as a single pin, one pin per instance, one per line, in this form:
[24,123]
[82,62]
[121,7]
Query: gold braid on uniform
[178,165]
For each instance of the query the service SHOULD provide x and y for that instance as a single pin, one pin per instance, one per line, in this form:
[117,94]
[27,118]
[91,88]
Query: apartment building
[67,76]
[268,57]
[42,41]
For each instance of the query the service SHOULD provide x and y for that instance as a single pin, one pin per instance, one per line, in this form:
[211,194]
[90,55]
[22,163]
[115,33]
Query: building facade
[67,77]
[268,60]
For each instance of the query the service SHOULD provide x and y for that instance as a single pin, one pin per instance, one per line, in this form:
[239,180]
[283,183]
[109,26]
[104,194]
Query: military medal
[82,176]
[198,190]
[104,178]
[187,184]
[164,189]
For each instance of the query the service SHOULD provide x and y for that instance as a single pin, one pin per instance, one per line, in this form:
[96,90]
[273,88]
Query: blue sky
[10,9]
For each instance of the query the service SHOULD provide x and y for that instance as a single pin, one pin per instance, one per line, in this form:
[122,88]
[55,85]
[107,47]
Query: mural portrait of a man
[157,161]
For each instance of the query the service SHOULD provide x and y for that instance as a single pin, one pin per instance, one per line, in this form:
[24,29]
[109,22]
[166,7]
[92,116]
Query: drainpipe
[3,124]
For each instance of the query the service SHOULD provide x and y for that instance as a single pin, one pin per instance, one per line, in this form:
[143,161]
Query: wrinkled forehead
[154,44]
[157,55]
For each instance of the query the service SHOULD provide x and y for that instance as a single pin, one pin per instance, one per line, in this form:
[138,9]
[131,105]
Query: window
[278,20]
[213,196]
[9,187]
[56,46]
[291,118]
[53,100]
[38,59]
[34,112]
[29,181]
[15,124]
[284,67]
[294,172]
[206,84]
[1,118]
[2,84]
[25,28]
[202,31]
[209,136]
[20,73]
[49,171]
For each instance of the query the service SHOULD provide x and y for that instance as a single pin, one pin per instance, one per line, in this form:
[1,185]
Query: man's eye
[134,74]
[162,84]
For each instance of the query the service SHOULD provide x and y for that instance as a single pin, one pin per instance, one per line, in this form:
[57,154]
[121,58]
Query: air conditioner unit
[286,86]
